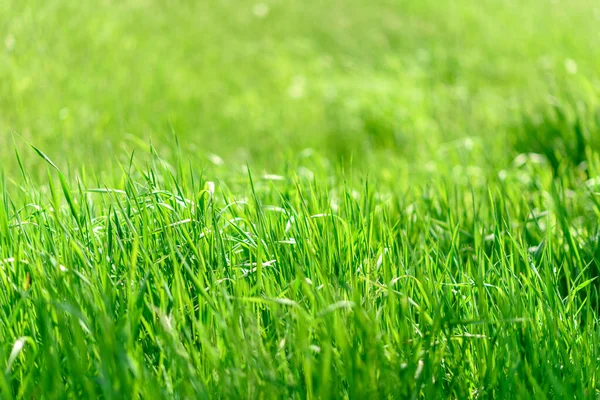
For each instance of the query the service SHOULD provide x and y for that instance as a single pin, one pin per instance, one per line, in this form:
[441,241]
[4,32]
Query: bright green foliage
[335,75]
[439,238]
[296,285]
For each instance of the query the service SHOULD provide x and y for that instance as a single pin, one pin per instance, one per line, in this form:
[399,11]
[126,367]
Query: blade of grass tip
[44,156]
[21,167]
[16,350]
[5,233]
[179,161]
[260,233]
[69,197]
[63,183]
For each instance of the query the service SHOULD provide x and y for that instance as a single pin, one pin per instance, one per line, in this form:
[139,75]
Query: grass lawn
[299,199]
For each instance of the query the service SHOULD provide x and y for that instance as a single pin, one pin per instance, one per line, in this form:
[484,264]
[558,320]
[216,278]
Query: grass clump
[170,285]
[564,130]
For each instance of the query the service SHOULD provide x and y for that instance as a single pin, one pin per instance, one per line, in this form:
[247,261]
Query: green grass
[342,199]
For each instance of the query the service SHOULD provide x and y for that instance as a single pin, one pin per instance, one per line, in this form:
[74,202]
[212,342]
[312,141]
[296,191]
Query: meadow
[307,200]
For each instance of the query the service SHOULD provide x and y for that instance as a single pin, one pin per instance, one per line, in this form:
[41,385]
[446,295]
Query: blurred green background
[90,81]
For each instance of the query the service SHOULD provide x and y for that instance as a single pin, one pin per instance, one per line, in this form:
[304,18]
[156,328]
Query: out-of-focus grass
[250,79]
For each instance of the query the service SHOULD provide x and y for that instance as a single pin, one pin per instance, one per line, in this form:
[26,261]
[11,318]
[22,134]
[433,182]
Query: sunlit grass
[277,199]
[170,285]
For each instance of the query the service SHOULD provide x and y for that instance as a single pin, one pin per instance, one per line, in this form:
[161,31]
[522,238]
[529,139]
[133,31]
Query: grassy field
[284,199]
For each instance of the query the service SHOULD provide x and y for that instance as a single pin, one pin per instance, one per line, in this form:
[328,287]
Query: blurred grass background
[257,81]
